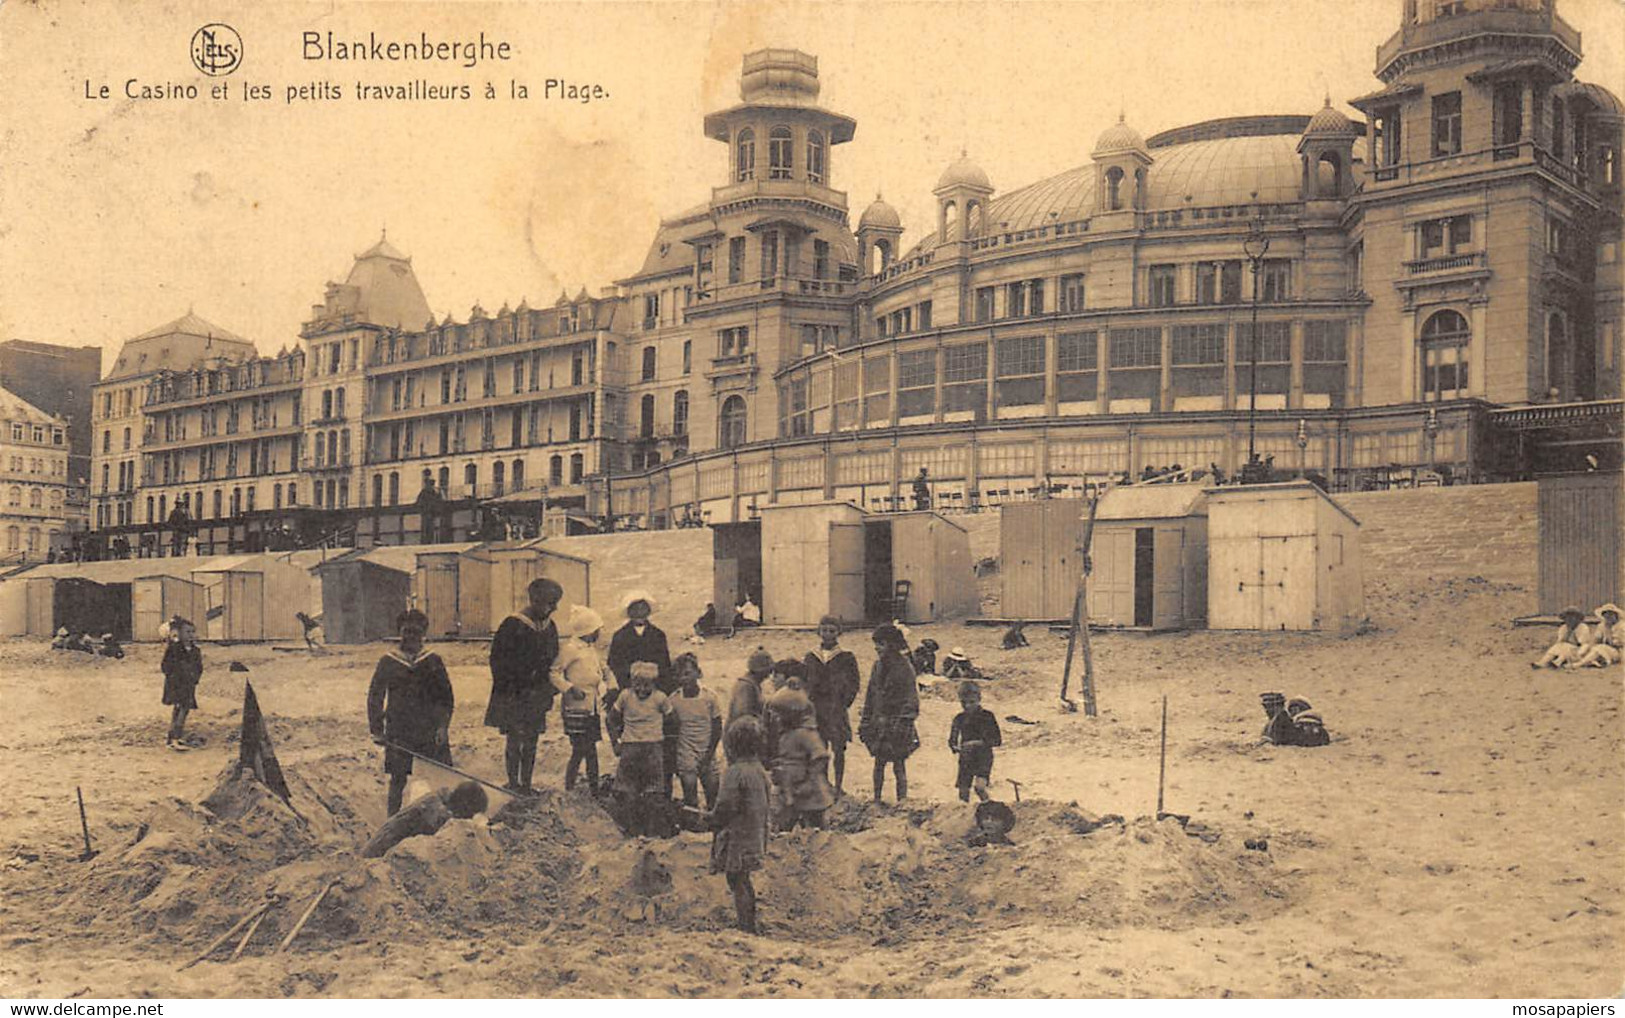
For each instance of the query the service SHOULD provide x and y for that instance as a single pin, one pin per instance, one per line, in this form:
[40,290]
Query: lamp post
[1255,246]
[1303,446]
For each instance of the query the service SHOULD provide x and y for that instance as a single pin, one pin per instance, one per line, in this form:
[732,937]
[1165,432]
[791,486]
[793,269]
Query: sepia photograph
[919,500]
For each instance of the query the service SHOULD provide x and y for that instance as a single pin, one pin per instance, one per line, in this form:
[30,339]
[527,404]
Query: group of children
[107,646]
[1583,645]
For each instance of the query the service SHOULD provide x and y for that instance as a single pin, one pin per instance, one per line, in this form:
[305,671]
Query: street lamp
[1255,247]
[1303,446]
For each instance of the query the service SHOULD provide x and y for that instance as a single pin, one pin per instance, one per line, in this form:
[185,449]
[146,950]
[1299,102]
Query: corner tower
[780,260]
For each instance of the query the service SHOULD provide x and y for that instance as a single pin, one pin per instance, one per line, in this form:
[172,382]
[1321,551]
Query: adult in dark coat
[409,705]
[522,654]
[890,707]
[640,640]
[832,684]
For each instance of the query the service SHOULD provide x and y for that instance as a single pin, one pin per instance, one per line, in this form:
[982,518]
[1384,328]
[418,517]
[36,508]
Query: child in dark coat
[890,707]
[740,818]
[183,668]
[974,734]
[832,683]
[409,705]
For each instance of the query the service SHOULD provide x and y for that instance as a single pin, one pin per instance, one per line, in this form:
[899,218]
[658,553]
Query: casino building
[1388,298]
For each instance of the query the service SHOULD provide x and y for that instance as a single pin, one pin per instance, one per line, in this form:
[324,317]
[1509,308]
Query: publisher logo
[217,49]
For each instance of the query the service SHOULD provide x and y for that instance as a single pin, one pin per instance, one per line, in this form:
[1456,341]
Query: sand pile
[194,869]
[902,874]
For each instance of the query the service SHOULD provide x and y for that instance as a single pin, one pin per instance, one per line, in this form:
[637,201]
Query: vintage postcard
[922,500]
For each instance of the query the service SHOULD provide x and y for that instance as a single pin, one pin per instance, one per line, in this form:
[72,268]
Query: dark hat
[411,617]
[760,662]
[1571,612]
[1003,816]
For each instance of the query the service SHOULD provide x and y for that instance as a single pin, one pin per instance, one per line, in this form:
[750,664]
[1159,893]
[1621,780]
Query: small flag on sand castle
[256,754]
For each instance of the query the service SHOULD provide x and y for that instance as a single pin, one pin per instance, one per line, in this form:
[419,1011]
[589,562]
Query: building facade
[34,478]
[1350,298]
[59,381]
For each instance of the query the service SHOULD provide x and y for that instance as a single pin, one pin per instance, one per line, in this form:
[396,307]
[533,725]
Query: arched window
[648,364]
[394,488]
[444,482]
[377,489]
[126,439]
[780,153]
[471,477]
[1139,187]
[236,502]
[1114,188]
[428,477]
[276,496]
[163,508]
[1559,380]
[499,475]
[333,448]
[218,504]
[1445,340]
[338,404]
[150,517]
[555,470]
[646,415]
[1329,175]
[578,465]
[950,218]
[1607,165]
[293,493]
[973,218]
[733,422]
[815,157]
[679,413]
[33,541]
[745,155]
[36,499]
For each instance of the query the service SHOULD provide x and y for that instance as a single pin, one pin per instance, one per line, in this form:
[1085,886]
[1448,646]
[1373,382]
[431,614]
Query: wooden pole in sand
[305,917]
[1162,755]
[258,911]
[1080,621]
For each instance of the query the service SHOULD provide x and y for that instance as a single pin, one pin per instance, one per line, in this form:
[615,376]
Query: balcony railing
[1444,263]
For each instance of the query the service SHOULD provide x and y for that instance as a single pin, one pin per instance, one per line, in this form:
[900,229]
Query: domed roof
[963,172]
[881,215]
[1328,121]
[1119,138]
[1209,173]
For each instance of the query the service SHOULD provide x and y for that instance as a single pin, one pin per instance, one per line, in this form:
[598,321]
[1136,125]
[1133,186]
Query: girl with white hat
[579,676]
[1607,639]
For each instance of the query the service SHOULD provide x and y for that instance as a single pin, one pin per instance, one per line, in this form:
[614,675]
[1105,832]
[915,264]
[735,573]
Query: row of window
[38,434]
[1446,135]
[35,465]
[1019,364]
[35,497]
[36,540]
[780,155]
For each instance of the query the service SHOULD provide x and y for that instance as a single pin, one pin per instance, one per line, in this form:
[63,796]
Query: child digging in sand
[740,818]
[974,733]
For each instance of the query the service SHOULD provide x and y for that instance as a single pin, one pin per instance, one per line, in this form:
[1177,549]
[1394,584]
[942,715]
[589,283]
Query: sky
[117,215]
